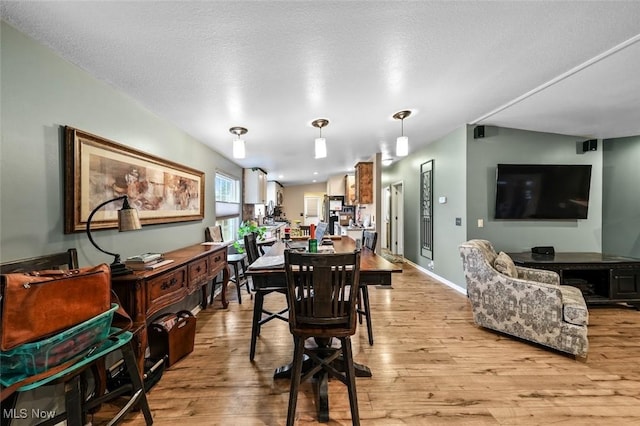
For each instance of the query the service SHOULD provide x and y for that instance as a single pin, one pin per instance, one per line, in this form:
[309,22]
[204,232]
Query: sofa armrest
[538,275]
[574,307]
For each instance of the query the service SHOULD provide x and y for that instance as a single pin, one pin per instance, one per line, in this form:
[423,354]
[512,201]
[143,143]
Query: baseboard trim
[444,281]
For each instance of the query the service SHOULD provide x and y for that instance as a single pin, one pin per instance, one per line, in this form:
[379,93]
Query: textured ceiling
[273,67]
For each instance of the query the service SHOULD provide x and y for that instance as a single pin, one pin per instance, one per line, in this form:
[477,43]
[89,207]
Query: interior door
[312,209]
[397,219]
[385,229]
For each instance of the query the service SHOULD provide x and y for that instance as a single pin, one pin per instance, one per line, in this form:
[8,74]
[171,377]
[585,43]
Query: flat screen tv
[542,191]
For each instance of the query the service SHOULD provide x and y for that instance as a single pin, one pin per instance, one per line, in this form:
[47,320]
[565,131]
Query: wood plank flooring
[431,366]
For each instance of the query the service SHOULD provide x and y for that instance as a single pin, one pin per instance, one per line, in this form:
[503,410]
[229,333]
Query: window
[227,205]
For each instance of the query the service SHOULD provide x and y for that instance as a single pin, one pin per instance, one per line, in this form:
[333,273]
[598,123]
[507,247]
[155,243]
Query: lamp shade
[238,148]
[128,219]
[402,146]
[321,147]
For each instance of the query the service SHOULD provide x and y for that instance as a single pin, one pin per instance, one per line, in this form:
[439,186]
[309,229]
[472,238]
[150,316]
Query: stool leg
[255,327]
[73,401]
[298,355]
[351,380]
[136,381]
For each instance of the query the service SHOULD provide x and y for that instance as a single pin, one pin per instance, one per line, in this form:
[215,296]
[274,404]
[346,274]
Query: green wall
[449,180]
[464,173]
[503,145]
[41,93]
[621,200]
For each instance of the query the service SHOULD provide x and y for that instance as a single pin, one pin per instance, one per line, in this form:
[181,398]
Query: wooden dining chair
[321,293]
[213,234]
[261,315]
[370,238]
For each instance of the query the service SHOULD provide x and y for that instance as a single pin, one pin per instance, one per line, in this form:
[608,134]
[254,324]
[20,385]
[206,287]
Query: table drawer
[198,272]
[168,288]
[217,262]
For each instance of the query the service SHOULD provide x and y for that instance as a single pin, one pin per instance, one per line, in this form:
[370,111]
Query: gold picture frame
[97,169]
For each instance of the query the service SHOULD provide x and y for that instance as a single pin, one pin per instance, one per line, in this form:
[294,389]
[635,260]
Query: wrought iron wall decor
[426,209]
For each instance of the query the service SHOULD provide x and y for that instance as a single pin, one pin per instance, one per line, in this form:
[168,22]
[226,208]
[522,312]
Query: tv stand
[603,279]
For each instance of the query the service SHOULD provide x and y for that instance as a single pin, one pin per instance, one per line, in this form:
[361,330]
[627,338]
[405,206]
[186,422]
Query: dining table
[268,272]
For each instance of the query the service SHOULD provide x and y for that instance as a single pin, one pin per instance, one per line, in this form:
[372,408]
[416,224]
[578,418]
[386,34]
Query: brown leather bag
[36,305]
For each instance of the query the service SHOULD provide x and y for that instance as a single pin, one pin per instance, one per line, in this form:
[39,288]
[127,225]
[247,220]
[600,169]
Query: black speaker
[590,145]
[548,250]
[478,132]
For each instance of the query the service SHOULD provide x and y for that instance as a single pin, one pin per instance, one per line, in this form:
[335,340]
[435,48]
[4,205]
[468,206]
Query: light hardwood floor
[431,365]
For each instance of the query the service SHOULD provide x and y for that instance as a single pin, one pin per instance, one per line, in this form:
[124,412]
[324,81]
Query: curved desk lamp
[127,221]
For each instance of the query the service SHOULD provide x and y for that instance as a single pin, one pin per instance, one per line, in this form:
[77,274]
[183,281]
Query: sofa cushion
[505,265]
[574,308]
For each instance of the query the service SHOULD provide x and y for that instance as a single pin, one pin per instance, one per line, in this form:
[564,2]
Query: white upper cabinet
[255,186]
[335,185]
[275,193]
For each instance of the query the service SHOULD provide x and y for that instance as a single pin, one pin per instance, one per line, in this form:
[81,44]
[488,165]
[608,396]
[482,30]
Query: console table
[144,293]
[601,278]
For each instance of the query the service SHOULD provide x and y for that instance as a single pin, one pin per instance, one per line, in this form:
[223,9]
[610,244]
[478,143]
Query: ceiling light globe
[402,146]
[238,148]
[321,147]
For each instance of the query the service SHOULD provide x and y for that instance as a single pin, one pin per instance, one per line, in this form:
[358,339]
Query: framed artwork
[426,209]
[97,169]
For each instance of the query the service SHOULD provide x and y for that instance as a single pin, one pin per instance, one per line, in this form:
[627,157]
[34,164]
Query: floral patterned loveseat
[523,302]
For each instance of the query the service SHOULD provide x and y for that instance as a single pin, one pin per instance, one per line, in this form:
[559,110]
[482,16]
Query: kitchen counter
[275,230]
[354,232]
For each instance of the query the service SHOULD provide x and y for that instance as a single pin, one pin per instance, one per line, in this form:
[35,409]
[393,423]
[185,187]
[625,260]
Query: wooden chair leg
[367,310]
[244,270]
[351,380]
[255,327]
[139,392]
[236,270]
[298,356]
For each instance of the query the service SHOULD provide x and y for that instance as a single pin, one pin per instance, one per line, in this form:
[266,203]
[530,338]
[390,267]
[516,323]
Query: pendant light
[321,143]
[238,144]
[402,143]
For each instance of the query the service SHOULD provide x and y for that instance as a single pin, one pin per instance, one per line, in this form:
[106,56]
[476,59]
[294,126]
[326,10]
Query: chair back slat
[63,260]
[322,289]
[251,247]
[370,239]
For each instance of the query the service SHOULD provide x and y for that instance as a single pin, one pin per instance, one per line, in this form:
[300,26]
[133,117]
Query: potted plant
[248,227]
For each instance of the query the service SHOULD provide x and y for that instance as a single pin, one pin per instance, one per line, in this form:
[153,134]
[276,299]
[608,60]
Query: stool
[238,261]
[75,405]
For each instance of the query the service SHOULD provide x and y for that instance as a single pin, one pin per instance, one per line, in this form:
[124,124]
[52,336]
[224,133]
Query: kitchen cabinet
[364,182]
[275,193]
[255,186]
[336,185]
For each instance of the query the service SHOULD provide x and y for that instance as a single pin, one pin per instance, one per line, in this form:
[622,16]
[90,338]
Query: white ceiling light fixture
[238,144]
[402,143]
[321,143]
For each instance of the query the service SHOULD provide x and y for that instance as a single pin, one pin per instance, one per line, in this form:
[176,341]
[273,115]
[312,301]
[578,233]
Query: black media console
[601,278]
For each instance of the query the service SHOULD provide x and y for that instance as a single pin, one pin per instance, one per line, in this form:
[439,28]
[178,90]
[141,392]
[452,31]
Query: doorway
[385,229]
[312,209]
[397,219]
